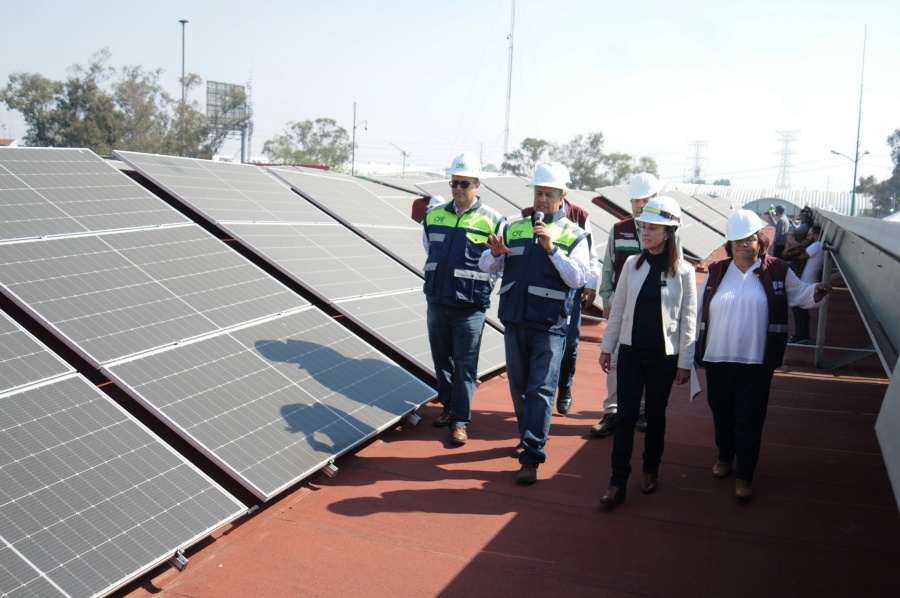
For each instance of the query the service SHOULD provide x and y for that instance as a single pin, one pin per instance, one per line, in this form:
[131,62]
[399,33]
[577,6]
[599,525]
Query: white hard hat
[553,174]
[465,164]
[742,224]
[661,210]
[436,200]
[643,185]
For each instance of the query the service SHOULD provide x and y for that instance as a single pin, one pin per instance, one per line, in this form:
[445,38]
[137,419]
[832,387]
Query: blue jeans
[652,374]
[532,367]
[570,354]
[454,334]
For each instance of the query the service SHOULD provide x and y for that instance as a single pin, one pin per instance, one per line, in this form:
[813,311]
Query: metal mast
[512,26]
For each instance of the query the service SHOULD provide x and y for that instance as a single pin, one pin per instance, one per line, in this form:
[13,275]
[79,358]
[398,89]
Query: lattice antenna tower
[784,167]
[693,173]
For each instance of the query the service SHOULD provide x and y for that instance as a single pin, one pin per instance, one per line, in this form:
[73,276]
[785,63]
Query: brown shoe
[742,489]
[648,483]
[459,435]
[443,419]
[613,496]
[527,474]
[722,469]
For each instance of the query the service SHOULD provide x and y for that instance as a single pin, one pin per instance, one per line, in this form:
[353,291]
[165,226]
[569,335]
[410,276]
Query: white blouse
[739,314]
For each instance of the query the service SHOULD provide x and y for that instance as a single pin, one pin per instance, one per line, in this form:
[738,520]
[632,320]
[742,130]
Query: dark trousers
[801,322]
[570,354]
[777,250]
[641,372]
[738,395]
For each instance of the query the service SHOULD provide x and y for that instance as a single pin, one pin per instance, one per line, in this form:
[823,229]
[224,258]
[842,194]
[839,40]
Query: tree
[131,113]
[147,112]
[618,166]
[884,193]
[583,156]
[320,142]
[524,160]
[725,182]
[32,96]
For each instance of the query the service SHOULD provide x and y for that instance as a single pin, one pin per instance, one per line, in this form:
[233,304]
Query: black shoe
[613,496]
[443,419]
[649,482]
[605,426]
[527,474]
[798,339]
[564,401]
[641,424]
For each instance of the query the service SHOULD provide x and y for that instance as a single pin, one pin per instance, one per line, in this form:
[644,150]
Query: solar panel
[23,360]
[402,315]
[50,191]
[699,210]
[276,400]
[329,260]
[223,191]
[118,294]
[89,499]
[346,200]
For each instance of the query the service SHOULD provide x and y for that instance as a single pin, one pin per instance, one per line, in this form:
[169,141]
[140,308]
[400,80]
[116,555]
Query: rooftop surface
[409,514]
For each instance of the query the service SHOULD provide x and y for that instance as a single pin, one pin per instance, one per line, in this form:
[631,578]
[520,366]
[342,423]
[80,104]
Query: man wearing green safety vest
[457,291]
[544,258]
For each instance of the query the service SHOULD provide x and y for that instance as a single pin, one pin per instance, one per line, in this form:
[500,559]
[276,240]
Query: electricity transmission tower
[784,167]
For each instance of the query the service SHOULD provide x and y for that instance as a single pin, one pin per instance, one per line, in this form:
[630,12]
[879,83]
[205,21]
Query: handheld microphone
[538,217]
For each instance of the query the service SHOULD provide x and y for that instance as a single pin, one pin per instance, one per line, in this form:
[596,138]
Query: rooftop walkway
[409,514]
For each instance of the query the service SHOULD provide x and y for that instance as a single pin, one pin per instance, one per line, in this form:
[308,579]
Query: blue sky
[431,77]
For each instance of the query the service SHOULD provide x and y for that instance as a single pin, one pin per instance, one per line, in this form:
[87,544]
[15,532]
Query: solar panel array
[166,311]
[89,498]
[696,239]
[699,210]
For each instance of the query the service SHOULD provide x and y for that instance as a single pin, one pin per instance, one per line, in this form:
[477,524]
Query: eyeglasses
[746,240]
[463,184]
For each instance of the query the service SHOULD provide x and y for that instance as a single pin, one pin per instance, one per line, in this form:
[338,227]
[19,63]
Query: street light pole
[858,124]
[353,148]
[183,23]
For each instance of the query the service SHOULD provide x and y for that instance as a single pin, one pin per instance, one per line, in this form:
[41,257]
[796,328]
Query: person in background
[544,259]
[457,291]
[742,335]
[812,257]
[652,324]
[782,228]
[624,241]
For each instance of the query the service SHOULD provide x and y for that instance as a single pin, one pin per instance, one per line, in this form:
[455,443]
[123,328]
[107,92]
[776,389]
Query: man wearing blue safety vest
[544,258]
[457,291]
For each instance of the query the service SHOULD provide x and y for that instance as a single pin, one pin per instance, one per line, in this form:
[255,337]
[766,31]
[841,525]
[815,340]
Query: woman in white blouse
[743,331]
[652,319]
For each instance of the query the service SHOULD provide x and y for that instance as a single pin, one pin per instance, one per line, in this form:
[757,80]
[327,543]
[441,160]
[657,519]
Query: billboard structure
[228,111]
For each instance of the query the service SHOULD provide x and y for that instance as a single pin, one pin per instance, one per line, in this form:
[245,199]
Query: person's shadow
[344,398]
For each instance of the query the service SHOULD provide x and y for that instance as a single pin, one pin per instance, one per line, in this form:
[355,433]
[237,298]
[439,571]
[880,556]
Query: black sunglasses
[463,184]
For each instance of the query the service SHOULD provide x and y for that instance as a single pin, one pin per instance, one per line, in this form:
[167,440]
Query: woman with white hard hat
[652,320]
[743,331]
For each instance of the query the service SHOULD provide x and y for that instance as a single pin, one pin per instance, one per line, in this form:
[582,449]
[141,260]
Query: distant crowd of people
[659,328]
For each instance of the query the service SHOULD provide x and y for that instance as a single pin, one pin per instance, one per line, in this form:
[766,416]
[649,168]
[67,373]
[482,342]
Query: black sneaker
[641,424]
[564,401]
[605,426]
[443,419]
